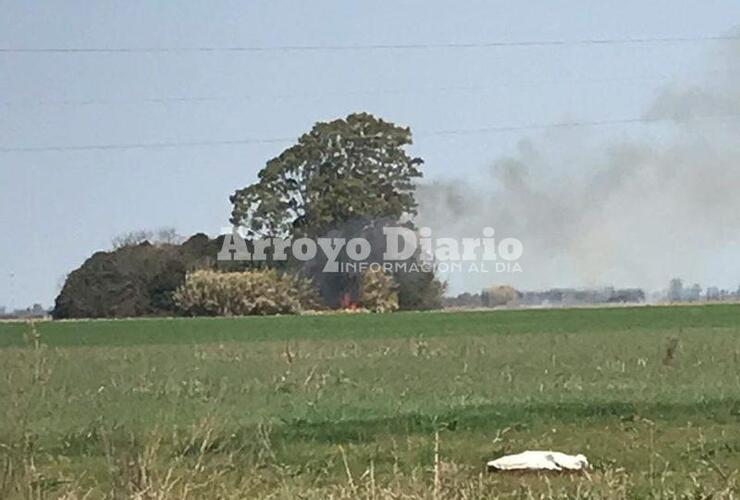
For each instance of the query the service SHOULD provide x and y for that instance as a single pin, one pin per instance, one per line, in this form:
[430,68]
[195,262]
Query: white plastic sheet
[539,460]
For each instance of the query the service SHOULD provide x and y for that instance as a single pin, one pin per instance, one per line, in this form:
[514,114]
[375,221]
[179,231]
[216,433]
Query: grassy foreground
[373,406]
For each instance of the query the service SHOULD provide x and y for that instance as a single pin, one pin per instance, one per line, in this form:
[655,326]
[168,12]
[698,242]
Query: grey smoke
[629,213]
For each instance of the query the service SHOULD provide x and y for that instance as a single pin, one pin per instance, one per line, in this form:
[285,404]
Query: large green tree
[341,170]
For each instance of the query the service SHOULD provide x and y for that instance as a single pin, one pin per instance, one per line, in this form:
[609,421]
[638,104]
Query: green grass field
[353,406]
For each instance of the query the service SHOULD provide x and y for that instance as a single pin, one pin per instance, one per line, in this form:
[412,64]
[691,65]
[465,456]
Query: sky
[58,207]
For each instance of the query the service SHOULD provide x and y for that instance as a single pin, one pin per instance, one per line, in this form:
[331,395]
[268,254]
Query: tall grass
[411,410]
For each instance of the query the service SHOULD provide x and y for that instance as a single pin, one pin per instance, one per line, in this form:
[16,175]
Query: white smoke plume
[627,213]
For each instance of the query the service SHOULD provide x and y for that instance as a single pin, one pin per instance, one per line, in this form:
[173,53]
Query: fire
[345,302]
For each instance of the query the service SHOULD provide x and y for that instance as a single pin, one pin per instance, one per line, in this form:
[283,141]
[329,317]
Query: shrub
[500,296]
[134,280]
[419,290]
[414,282]
[378,291]
[261,292]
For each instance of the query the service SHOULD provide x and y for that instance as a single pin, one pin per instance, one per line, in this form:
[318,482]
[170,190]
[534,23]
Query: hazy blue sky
[56,208]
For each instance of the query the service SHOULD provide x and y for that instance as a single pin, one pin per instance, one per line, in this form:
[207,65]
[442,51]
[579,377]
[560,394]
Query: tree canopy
[349,168]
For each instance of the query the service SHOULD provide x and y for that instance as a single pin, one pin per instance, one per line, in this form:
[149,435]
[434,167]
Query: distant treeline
[508,296]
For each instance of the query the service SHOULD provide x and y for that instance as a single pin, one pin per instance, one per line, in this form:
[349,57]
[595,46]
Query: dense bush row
[134,280]
[259,291]
[378,291]
[141,279]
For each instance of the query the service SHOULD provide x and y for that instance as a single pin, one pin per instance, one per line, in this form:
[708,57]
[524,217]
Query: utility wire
[373,92]
[450,132]
[144,145]
[370,47]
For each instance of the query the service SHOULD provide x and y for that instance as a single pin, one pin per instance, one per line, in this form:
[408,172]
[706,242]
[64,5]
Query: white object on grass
[540,460]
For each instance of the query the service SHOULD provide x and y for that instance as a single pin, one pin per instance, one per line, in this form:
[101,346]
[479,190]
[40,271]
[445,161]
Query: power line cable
[143,145]
[450,132]
[373,92]
[372,47]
